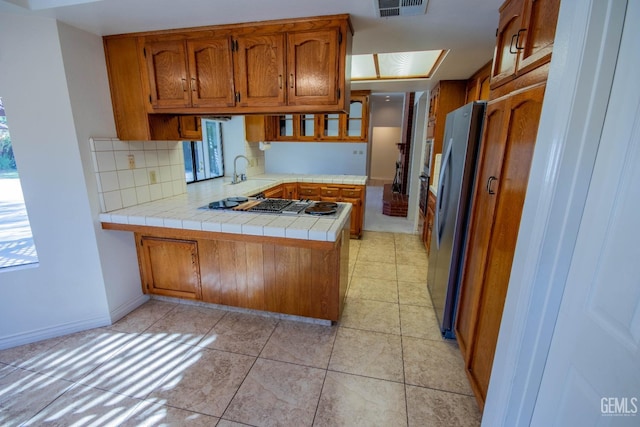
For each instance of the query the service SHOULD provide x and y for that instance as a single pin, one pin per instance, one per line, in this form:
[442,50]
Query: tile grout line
[404,374]
[248,372]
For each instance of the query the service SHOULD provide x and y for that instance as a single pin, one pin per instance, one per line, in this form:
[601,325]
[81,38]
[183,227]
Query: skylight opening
[396,65]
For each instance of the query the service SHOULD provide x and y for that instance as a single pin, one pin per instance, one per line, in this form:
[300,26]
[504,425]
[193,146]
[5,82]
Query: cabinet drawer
[353,193]
[329,191]
[307,190]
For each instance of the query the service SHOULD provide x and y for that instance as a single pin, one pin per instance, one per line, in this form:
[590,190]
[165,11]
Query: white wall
[417,152]
[66,291]
[317,158]
[234,143]
[384,152]
[86,76]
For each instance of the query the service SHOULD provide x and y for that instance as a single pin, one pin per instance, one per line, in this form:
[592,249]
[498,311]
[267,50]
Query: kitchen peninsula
[289,264]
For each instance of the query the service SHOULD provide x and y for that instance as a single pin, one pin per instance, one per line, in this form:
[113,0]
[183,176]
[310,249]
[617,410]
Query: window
[16,240]
[203,159]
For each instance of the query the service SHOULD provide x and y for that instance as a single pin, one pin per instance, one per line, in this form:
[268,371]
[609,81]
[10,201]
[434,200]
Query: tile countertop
[183,211]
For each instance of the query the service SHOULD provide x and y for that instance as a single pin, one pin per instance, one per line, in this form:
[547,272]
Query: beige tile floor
[383,364]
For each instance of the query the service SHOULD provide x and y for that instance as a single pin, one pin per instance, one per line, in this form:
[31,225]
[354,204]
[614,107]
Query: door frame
[578,88]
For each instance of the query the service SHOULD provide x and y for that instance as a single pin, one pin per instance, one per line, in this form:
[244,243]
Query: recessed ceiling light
[396,65]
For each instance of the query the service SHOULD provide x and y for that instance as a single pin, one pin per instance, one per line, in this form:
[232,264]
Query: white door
[592,374]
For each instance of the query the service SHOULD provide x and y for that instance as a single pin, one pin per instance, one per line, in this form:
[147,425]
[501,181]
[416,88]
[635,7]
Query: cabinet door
[290,191]
[536,42]
[170,267]
[259,70]
[307,125]
[210,72]
[506,54]
[356,215]
[286,127]
[356,121]
[500,202]
[312,67]
[167,73]
[190,128]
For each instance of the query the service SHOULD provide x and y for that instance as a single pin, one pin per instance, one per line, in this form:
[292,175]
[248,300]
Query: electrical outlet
[360,152]
[355,151]
[153,179]
[132,161]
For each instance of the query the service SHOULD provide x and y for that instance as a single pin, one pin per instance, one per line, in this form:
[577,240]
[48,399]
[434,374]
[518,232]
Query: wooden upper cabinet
[288,66]
[312,64]
[167,74]
[525,35]
[193,73]
[478,84]
[259,70]
[329,127]
[536,43]
[210,72]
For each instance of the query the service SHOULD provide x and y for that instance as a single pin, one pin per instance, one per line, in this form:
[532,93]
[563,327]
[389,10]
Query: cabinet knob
[193,84]
[184,85]
[280,80]
[291,80]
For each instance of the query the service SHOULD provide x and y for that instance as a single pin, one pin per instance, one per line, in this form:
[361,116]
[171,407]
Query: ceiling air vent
[386,8]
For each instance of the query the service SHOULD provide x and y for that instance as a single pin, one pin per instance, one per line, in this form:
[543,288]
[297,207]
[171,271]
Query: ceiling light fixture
[396,65]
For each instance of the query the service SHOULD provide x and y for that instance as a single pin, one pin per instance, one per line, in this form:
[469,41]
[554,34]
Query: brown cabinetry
[509,140]
[446,96]
[296,277]
[276,192]
[297,65]
[312,67]
[188,73]
[169,266]
[258,128]
[478,85]
[524,42]
[520,66]
[352,126]
[354,194]
[428,222]
[259,70]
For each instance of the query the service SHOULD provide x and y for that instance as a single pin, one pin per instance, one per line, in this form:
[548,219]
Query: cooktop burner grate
[271,205]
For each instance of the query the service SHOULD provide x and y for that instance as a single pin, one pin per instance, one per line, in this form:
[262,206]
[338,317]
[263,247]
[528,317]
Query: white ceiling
[466,27]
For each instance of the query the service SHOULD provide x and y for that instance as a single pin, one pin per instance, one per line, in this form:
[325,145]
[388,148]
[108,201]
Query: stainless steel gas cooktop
[275,206]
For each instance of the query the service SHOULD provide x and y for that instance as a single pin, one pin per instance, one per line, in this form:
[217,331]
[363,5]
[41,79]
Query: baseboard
[53,331]
[124,309]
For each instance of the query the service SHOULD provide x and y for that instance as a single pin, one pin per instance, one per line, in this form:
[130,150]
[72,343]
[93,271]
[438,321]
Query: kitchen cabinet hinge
[150,101]
[338,93]
[144,51]
[339,37]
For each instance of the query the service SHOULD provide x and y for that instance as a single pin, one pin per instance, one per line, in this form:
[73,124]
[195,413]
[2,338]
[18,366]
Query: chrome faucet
[242,177]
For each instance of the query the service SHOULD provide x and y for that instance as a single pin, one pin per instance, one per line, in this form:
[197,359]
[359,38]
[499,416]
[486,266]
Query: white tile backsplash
[120,185]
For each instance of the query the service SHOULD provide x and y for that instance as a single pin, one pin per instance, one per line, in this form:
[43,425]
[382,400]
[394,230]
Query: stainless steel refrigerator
[462,135]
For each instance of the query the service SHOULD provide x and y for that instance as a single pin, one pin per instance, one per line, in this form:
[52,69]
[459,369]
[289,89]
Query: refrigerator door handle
[441,194]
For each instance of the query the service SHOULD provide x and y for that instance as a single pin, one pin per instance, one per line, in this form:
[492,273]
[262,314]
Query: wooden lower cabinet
[301,278]
[354,194]
[276,192]
[428,222]
[169,266]
[507,149]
